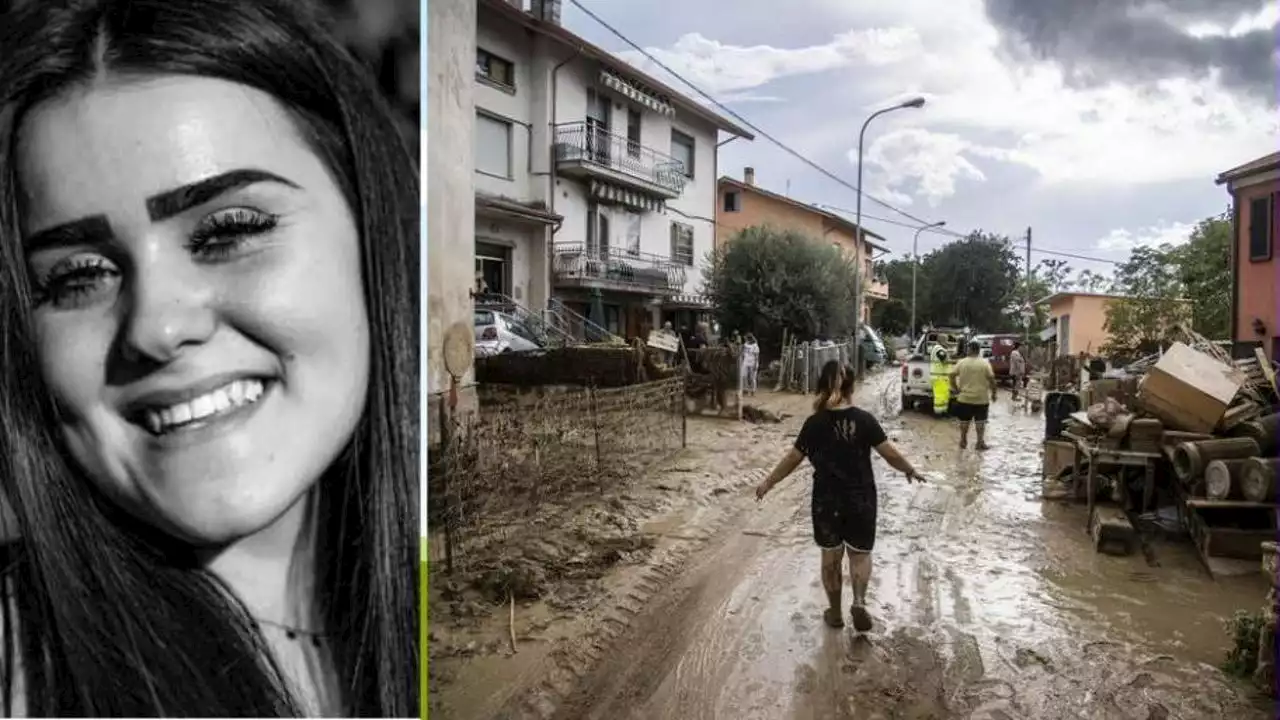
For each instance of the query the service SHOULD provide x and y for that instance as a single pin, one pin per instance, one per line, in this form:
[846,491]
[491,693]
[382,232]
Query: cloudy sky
[1099,123]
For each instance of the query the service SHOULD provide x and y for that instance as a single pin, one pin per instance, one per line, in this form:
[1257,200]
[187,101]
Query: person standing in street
[973,386]
[1017,369]
[837,440]
[750,364]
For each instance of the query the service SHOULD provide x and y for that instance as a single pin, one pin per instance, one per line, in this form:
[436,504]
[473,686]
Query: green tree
[973,282]
[1090,281]
[1204,269]
[766,279]
[1171,285]
[893,316]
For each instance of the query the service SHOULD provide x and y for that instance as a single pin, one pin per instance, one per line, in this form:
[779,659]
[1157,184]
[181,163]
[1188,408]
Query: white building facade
[595,184]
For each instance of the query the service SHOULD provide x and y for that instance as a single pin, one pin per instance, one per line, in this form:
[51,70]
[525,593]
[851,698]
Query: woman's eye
[76,280]
[218,236]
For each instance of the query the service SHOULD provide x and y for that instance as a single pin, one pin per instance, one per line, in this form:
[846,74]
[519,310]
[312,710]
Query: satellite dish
[459,349]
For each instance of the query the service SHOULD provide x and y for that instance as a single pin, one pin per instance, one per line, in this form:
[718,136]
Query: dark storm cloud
[1140,40]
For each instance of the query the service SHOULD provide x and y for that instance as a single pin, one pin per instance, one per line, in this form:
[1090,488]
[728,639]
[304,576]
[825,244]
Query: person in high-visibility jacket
[939,373]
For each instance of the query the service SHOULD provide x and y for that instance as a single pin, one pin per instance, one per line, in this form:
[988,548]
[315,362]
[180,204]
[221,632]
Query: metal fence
[801,364]
[493,477]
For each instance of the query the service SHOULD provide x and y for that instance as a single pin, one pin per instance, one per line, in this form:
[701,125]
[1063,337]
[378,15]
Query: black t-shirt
[838,444]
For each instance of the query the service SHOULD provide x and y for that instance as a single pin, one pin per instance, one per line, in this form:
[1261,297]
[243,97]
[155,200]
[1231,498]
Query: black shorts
[848,522]
[966,412]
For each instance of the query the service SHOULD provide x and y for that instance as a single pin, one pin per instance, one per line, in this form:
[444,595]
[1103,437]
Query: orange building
[1254,188]
[743,204]
[1078,321]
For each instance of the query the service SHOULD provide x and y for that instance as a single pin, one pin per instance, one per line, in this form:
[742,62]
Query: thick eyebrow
[89,231]
[175,202]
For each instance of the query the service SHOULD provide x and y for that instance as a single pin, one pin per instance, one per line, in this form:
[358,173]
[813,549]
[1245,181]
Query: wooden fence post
[595,426]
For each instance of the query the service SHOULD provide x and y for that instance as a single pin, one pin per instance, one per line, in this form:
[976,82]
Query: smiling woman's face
[200,314]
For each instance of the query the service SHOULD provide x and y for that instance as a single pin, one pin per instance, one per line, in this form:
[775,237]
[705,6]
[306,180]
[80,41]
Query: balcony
[580,265]
[878,289]
[589,152]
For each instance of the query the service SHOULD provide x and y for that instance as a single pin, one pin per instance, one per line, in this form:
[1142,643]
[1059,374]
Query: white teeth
[227,397]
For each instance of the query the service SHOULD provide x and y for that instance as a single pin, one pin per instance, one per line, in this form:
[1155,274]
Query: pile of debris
[1210,419]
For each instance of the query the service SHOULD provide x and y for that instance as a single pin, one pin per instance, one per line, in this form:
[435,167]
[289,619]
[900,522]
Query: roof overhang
[570,40]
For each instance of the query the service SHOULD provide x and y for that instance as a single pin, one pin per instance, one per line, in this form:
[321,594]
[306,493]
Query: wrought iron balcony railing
[585,264]
[591,145]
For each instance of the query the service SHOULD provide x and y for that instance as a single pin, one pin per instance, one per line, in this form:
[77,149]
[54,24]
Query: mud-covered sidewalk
[990,602]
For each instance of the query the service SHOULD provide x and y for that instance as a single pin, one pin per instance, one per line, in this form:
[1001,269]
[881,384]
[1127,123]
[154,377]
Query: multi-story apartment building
[743,204]
[595,184]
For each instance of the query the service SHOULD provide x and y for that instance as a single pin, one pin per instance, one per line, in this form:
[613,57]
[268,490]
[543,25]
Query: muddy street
[989,603]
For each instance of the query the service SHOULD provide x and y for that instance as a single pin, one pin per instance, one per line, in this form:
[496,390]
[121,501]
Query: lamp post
[915,265]
[917,102]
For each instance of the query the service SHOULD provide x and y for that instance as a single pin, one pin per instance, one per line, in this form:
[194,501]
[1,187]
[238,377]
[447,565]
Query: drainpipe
[550,253]
[551,150]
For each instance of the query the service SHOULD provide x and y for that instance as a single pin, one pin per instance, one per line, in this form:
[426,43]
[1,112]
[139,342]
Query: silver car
[498,333]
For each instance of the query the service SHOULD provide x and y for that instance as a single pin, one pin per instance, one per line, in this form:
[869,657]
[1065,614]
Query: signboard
[663,340]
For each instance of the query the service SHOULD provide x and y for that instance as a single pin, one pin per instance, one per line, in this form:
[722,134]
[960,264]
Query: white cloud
[1123,240]
[1114,136]
[719,68]
[929,162]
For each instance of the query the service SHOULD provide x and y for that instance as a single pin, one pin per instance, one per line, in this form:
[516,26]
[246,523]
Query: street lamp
[917,102]
[915,265]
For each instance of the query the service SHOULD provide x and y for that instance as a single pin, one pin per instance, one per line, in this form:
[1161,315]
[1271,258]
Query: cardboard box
[1189,390]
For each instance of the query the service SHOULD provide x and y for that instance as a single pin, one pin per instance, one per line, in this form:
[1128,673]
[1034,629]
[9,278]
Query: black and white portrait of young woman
[209,270]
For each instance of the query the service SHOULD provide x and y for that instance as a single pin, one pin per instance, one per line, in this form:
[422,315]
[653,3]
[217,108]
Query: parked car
[498,333]
[997,348]
[872,349]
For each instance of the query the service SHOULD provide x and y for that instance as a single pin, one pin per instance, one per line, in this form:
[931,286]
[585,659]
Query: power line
[754,128]
[953,233]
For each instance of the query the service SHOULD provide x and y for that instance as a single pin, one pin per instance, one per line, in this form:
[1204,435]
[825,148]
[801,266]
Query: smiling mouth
[203,410]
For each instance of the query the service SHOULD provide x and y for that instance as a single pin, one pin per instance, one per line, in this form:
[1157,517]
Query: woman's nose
[168,311]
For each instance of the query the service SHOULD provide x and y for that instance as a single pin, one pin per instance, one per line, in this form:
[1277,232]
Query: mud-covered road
[989,603]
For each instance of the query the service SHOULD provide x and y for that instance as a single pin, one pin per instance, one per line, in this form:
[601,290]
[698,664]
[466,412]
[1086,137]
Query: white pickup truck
[936,345]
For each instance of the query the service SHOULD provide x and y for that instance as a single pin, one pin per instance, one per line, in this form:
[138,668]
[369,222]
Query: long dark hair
[846,385]
[828,384]
[112,621]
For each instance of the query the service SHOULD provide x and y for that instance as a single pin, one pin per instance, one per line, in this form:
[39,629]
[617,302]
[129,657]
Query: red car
[997,348]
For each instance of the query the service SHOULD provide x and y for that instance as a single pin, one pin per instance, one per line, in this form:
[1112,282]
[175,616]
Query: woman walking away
[838,439]
[750,364]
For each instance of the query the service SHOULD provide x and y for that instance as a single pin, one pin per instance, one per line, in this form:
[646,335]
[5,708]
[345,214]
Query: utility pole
[1028,311]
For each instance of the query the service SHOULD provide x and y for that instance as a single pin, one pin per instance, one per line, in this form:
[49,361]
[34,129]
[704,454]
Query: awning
[610,193]
[618,84]
[1049,333]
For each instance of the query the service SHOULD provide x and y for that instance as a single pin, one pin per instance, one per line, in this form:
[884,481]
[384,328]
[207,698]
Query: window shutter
[1274,226]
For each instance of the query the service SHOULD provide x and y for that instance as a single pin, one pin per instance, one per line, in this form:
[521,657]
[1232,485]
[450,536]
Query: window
[682,151]
[493,146]
[597,231]
[733,202]
[493,69]
[1261,228]
[682,243]
[633,133]
[632,224]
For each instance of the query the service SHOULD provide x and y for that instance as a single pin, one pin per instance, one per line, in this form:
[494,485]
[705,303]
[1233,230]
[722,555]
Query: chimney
[547,11]
[749,175]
